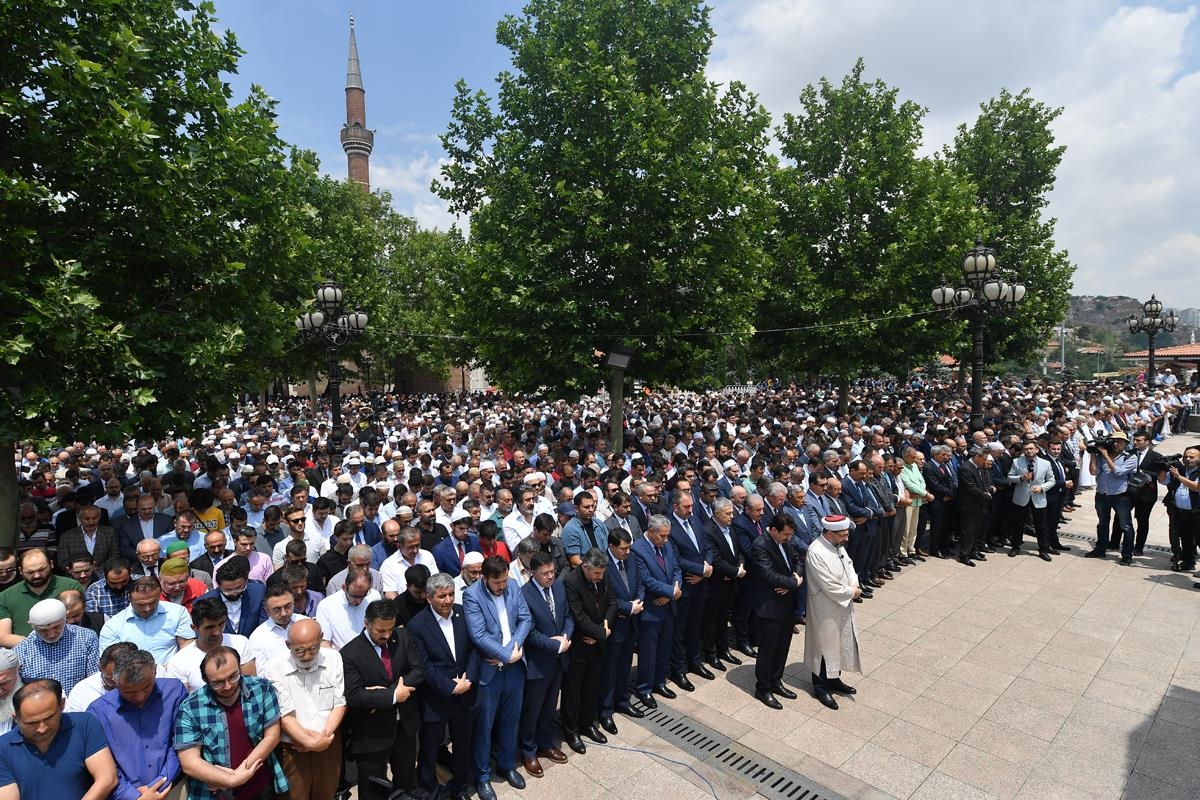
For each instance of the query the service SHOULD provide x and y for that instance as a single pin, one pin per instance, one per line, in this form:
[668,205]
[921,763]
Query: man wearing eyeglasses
[310,684]
[295,521]
[226,733]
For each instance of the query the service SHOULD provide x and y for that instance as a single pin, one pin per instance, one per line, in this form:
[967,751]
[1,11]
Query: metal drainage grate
[1080,537]
[770,779]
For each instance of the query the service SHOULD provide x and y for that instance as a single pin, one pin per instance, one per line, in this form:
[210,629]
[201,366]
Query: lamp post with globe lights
[331,325]
[1152,322]
[984,293]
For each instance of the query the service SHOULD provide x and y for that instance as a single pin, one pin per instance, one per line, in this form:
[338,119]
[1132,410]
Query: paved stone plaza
[1015,679]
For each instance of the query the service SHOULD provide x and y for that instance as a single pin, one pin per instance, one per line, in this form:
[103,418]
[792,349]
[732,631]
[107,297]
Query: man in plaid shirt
[227,731]
[110,594]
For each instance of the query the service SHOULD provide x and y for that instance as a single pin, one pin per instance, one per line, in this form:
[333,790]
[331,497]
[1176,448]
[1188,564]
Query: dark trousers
[1143,505]
[858,547]
[714,634]
[537,713]
[875,542]
[970,522]
[895,534]
[939,527]
[654,653]
[1122,506]
[1000,518]
[1184,533]
[820,680]
[431,738]
[402,758]
[1054,506]
[1023,515]
[581,686]
[614,679]
[498,706]
[774,641]
[689,615]
[924,514]
[744,625]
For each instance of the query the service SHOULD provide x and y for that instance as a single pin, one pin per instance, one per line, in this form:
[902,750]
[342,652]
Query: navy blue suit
[863,537]
[618,655]
[544,666]
[656,628]
[445,553]
[745,531]
[439,705]
[254,611]
[689,611]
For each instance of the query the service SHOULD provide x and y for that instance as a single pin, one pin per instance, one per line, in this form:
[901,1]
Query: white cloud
[1129,185]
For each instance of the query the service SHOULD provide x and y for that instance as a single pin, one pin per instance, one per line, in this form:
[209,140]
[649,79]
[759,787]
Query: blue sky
[1127,76]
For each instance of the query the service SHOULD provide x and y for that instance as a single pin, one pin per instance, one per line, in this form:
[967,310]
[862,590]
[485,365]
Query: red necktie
[461,554]
[386,657]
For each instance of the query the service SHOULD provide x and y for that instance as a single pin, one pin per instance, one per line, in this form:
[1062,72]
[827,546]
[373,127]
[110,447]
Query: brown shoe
[554,754]
[534,767]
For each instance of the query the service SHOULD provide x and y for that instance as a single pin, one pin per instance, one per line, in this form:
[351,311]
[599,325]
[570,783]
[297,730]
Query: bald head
[304,633]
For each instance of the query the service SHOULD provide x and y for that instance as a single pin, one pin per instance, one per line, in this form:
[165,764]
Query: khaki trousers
[311,776]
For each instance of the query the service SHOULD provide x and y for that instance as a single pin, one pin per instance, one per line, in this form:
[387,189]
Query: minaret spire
[357,140]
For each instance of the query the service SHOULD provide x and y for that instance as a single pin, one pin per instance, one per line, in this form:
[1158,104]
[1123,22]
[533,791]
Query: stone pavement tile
[1132,675]
[823,741]
[1096,712]
[990,773]
[1124,696]
[1019,716]
[1179,712]
[1171,739]
[760,718]
[1040,787]
[708,711]
[1043,697]
[853,717]
[1030,629]
[987,618]
[1007,743]
[1098,776]
[980,676]
[1062,678]
[914,742]
[876,644]
[900,630]
[961,696]
[1090,627]
[1090,740]
[922,615]
[1008,662]
[940,786]
[962,629]
[1056,653]
[1144,787]
[882,697]
[926,658]
[552,784]
[939,718]
[771,746]
[606,765]
[720,695]
[902,676]
[883,769]
[834,779]
[1153,642]
[1080,643]
[657,781]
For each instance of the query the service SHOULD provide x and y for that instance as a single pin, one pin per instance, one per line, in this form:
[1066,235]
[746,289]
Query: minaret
[357,139]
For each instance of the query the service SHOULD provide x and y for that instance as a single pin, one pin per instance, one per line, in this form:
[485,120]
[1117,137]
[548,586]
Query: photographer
[1183,508]
[1112,464]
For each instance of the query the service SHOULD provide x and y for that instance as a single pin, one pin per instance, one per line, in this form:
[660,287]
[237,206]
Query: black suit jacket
[71,546]
[725,560]
[974,489]
[129,532]
[373,715]
[771,572]
[440,666]
[590,609]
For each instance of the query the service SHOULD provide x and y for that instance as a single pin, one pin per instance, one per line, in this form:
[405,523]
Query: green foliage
[141,220]
[1010,156]
[865,228]
[616,196]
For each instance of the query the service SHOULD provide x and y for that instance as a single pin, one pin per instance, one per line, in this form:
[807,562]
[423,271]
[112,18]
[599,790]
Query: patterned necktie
[549,599]
[624,574]
[662,562]
[386,657]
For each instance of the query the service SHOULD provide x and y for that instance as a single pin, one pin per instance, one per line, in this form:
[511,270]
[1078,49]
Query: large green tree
[1010,155]
[142,221]
[616,196]
[865,226]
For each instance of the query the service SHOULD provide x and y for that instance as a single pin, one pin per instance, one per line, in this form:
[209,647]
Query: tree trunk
[843,395]
[8,497]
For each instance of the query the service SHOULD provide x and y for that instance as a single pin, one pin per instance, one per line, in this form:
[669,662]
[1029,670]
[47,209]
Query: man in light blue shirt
[1112,471]
[149,622]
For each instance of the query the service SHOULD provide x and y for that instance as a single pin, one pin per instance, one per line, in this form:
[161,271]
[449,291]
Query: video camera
[1109,444]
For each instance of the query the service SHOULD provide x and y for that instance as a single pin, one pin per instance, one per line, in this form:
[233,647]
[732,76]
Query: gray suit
[1030,504]
[635,527]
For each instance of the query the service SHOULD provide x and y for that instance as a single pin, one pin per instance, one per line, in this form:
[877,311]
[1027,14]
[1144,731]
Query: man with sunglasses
[295,520]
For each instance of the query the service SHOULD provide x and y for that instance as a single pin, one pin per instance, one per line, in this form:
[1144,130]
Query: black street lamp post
[330,325]
[1151,323]
[983,294]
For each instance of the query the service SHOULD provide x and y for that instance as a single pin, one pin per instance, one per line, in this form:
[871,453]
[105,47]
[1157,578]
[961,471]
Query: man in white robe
[830,637]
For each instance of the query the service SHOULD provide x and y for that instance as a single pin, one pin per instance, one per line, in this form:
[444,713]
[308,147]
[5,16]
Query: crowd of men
[274,609]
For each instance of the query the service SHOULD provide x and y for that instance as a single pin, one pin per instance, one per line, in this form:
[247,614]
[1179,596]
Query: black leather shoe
[1066,548]
[966,562]
[665,691]
[594,734]
[866,592]
[1045,557]
[747,649]
[825,698]
[648,701]
[1014,552]
[514,778]
[715,663]
[1137,551]
[841,688]
[702,671]
[730,658]
[987,548]
[783,691]
[1125,561]
[632,712]
[858,599]
[484,790]
[1095,554]
[978,556]
[916,557]
[768,700]
[608,725]
[942,554]
[681,680]
[575,743]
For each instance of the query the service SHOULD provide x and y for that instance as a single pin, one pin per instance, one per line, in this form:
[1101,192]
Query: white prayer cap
[835,522]
[47,612]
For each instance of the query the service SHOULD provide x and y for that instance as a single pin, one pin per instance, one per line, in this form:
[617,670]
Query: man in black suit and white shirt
[777,575]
